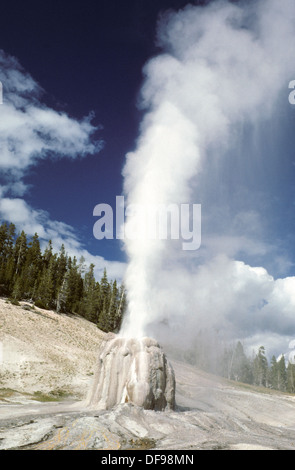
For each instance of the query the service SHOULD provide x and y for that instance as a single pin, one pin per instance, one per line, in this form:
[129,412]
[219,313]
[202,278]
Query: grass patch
[257,388]
[43,397]
[7,393]
[54,395]
[13,302]
[29,308]
[143,443]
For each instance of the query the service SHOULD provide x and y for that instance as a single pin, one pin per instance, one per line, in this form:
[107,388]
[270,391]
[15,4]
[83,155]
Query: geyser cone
[132,371]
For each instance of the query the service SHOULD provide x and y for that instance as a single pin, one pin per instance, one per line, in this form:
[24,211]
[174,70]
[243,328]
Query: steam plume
[223,68]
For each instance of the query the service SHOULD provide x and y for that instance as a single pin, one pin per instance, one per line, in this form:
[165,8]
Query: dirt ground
[45,356]
[45,352]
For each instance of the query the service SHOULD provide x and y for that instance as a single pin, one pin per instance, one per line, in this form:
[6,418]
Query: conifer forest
[57,281]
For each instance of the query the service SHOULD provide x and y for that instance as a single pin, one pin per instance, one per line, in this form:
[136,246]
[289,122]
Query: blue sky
[87,57]
[62,62]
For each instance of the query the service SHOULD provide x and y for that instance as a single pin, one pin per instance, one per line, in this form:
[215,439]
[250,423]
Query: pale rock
[132,371]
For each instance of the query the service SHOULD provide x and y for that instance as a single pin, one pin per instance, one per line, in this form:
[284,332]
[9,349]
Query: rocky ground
[45,356]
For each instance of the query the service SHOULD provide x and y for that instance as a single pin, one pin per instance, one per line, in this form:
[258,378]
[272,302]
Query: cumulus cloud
[30,131]
[33,221]
[228,297]
[221,74]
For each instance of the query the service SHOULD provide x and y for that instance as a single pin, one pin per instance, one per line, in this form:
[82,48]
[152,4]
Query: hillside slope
[42,351]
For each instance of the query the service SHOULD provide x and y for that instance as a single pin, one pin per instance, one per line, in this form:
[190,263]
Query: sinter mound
[132,371]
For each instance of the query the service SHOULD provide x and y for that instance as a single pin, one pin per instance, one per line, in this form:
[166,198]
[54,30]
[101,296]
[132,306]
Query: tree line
[257,370]
[57,281]
[231,361]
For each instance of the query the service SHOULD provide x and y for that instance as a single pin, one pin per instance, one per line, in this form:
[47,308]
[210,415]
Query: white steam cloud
[223,67]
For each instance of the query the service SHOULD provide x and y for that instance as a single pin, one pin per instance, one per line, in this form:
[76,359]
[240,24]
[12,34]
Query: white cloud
[34,221]
[238,301]
[29,132]
[18,212]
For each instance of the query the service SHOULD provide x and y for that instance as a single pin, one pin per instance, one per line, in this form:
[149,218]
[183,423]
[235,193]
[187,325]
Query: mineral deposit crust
[132,371]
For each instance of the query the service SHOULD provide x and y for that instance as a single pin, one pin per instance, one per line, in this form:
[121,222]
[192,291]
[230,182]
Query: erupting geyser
[133,371]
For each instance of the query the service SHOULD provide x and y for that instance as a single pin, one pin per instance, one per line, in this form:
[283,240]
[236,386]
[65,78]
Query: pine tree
[105,292]
[17,264]
[20,252]
[7,235]
[71,290]
[63,294]
[260,368]
[61,268]
[45,296]
[47,254]
[82,266]
[278,374]
[282,374]
[18,289]
[3,241]
[110,315]
[32,267]
[291,378]
[104,320]
[113,306]
[241,367]
[273,373]
[121,308]
[9,275]
[226,362]
[90,296]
